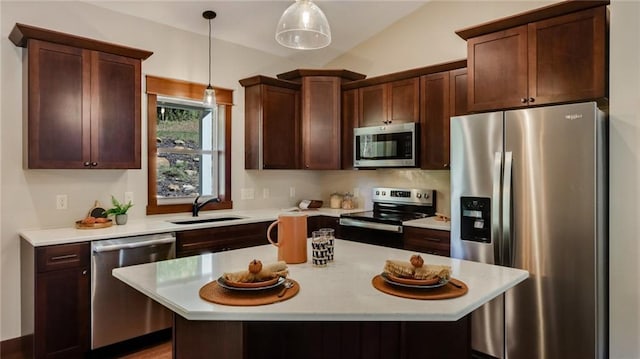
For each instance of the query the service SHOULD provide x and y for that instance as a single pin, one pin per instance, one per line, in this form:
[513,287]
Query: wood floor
[160,351]
[154,347]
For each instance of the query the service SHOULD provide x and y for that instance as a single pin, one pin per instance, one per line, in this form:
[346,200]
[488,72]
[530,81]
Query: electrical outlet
[61,201]
[128,197]
[247,193]
[265,193]
[292,192]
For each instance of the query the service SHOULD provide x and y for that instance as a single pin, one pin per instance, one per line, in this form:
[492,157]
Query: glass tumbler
[329,234]
[318,249]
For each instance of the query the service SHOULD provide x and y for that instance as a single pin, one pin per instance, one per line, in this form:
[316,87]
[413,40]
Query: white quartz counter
[161,224]
[342,291]
[430,223]
[158,224]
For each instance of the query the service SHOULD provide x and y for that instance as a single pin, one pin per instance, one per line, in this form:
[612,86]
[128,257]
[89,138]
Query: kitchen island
[336,310]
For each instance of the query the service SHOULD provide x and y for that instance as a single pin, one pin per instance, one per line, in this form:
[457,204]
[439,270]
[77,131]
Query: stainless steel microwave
[386,146]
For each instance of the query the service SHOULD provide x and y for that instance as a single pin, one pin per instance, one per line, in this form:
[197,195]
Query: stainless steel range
[391,207]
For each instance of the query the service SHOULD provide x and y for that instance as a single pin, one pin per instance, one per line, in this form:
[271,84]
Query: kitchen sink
[205,220]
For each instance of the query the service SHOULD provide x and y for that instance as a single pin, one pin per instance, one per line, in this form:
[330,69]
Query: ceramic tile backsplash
[365,180]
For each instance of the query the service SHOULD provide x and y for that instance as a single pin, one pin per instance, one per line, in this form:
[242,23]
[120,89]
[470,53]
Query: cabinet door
[458,92]
[59,106]
[314,223]
[321,122]
[349,122]
[497,66]
[115,111]
[62,301]
[404,101]
[427,240]
[372,105]
[280,128]
[216,239]
[434,141]
[567,57]
[272,128]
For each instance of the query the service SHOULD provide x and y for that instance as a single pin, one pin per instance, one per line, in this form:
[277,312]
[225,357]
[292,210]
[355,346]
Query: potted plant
[119,210]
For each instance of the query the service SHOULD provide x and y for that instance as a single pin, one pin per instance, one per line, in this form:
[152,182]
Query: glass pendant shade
[303,26]
[209,98]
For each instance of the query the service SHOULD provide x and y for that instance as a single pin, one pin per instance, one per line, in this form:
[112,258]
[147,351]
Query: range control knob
[419,195]
[426,196]
[377,193]
[384,193]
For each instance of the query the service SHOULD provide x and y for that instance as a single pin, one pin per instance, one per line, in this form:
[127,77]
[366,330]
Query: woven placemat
[212,292]
[447,291]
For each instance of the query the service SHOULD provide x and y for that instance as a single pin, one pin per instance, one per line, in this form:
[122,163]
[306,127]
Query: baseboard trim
[19,347]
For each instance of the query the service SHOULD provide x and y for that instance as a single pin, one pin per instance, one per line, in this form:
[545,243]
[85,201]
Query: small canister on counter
[348,202]
[336,200]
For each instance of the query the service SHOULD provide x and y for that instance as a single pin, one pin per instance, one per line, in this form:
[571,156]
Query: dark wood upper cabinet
[299,114]
[272,124]
[83,101]
[115,111]
[393,102]
[349,122]
[321,126]
[541,57]
[568,57]
[373,105]
[458,92]
[434,121]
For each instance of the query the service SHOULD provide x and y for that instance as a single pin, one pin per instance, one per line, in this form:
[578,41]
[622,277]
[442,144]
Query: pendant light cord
[209,52]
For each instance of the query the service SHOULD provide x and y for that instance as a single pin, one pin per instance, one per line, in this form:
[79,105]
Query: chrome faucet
[198,206]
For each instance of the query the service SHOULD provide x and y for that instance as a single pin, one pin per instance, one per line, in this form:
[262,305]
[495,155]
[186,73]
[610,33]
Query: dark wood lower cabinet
[336,340]
[431,241]
[217,239]
[58,280]
[314,223]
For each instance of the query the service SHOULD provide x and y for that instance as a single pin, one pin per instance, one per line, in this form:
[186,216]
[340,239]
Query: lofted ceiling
[252,23]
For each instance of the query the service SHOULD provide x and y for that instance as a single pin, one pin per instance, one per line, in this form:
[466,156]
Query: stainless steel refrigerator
[529,190]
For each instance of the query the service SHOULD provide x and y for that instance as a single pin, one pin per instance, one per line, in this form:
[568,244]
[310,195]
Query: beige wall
[425,37]
[396,49]
[28,196]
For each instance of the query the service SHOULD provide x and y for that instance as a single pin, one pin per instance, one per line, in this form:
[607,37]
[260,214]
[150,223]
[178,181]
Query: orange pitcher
[292,237]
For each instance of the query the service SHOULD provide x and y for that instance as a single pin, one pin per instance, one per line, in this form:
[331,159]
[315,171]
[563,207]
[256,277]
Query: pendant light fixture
[209,94]
[303,26]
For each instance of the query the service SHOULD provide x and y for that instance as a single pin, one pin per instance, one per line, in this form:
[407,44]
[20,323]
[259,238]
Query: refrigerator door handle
[495,207]
[507,250]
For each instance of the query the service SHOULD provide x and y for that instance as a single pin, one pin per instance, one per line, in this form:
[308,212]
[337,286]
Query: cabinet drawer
[218,239]
[63,256]
[427,240]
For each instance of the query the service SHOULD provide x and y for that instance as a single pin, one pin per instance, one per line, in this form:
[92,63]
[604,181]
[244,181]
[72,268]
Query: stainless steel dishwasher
[119,312]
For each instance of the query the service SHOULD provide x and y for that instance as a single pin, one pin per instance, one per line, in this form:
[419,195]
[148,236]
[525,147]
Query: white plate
[223,283]
[390,281]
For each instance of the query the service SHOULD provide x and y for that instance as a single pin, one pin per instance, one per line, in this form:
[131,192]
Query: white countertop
[430,223]
[342,291]
[161,224]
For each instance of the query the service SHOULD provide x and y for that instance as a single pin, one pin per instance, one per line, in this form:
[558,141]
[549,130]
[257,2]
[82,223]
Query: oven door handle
[371,225]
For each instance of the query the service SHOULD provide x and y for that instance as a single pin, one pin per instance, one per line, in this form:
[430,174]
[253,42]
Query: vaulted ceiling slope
[252,23]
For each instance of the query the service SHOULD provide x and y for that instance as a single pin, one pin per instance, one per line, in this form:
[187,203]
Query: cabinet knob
[531,99]
[94,164]
[523,100]
[84,272]
[446,165]
[87,164]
